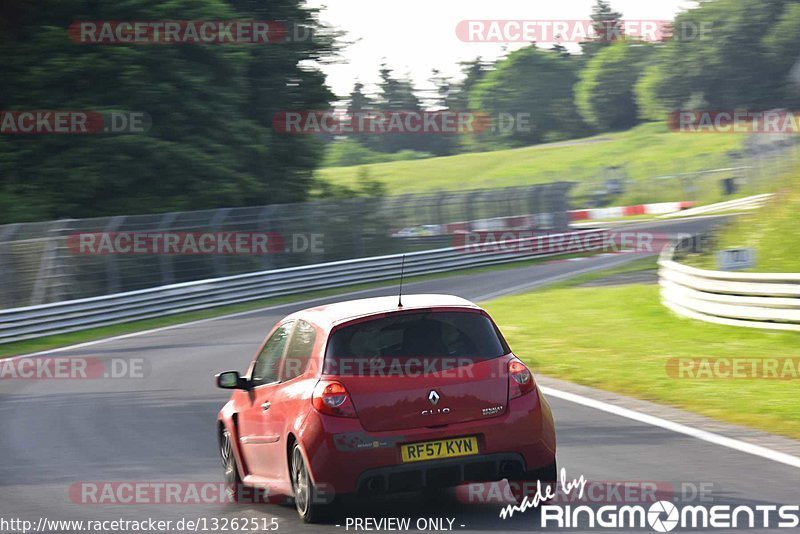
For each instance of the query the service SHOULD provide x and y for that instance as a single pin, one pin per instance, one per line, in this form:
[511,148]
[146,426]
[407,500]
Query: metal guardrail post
[111,262]
[44,277]
[7,267]
[215,225]
[469,215]
[265,217]
[165,261]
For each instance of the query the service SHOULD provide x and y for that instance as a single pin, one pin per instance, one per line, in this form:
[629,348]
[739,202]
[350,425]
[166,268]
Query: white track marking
[710,437]
[557,278]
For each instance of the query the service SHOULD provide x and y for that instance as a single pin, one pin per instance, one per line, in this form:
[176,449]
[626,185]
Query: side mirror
[231,380]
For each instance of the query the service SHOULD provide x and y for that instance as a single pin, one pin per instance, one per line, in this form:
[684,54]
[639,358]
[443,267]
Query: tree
[397,95]
[210,144]
[782,48]
[729,54]
[648,105]
[605,93]
[441,99]
[560,49]
[442,89]
[607,27]
[279,78]
[533,85]
[359,103]
[358,100]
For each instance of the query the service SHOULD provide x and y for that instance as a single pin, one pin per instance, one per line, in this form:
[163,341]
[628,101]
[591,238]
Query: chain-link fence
[38,266]
[749,170]
[45,262]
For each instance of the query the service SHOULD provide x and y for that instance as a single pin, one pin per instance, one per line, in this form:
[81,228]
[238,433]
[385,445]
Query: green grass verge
[771,231]
[646,151]
[619,338]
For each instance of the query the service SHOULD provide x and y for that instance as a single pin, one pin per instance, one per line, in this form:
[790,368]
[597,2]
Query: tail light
[331,398]
[520,379]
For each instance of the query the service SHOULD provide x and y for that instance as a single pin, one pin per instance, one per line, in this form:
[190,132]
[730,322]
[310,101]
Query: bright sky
[416,36]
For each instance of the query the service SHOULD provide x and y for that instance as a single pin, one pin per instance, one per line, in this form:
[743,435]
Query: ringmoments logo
[660,516]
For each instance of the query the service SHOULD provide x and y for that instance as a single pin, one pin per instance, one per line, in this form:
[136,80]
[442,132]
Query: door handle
[265,406]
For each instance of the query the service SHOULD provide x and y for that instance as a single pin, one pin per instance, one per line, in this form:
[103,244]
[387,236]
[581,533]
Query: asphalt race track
[161,427]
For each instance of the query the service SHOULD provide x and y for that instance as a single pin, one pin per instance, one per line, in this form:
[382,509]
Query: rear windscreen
[432,340]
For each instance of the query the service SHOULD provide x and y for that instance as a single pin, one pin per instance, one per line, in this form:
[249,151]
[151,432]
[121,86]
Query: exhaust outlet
[510,469]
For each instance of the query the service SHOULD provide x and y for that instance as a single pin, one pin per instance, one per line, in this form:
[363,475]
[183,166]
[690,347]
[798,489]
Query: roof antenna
[402,269]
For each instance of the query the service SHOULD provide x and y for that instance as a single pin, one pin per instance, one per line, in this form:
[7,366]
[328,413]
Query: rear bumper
[344,458]
[440,473]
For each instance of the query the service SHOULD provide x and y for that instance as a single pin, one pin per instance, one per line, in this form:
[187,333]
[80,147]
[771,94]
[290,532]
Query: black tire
[526,485]
[306,497]
[233,481]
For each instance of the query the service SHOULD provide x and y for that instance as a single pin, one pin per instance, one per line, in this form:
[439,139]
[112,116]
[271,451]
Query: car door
[259,428]
[293,393]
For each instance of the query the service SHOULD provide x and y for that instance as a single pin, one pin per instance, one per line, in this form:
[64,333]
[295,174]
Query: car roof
[329,315]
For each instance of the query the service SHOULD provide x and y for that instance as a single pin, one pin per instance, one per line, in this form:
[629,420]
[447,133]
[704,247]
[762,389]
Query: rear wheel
[527,485]
[306,498]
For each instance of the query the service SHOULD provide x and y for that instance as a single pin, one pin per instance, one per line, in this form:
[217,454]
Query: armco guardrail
[746,203]
[41,264]
[19,324]
[755,300]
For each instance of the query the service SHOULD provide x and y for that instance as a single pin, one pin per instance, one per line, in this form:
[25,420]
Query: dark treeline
[211,143]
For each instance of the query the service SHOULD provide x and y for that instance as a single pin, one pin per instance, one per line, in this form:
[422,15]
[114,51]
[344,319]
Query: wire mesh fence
[749,170]
[48,262]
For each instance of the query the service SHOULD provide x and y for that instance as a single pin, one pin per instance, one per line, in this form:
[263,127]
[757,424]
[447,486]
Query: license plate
[444,448]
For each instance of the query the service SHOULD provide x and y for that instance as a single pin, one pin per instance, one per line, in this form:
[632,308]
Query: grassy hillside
[773,231]
[646,151]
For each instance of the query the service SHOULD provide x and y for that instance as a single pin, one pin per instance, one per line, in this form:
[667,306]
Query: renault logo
[433,397]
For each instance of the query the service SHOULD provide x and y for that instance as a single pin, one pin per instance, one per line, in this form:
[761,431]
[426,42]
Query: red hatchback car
[368,397]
